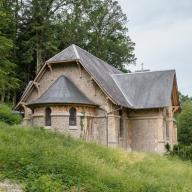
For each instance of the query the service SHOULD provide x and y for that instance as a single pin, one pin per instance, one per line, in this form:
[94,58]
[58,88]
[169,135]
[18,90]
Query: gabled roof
[97,68]
[62,91]
[131,90]
[67,54]
[146,89]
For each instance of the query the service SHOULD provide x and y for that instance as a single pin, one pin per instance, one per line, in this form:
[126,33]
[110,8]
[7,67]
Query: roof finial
[142,66]
[142,69]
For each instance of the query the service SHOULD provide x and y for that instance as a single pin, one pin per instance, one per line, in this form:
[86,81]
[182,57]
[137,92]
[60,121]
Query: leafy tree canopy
[34,30]
[8,79]
[184,121]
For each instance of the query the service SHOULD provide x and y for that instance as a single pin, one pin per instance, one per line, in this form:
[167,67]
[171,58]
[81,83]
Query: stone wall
[113,129]
[143,130]
[78,76]
[124,140]
[151,129]
[95,123]
[146,128]
[89,127]
[100,130]
[170,125]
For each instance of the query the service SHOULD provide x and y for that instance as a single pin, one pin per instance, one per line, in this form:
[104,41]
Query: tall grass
[45,161]
[182,151]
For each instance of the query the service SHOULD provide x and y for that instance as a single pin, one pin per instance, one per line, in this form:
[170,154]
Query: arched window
[47,116]
[72,116]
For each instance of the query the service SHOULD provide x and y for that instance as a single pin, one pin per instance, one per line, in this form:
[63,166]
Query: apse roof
[62,91]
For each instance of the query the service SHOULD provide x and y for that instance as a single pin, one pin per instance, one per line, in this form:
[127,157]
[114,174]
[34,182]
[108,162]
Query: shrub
[167,147]
[7,116]
[184,124]
[182,151]
[44,183]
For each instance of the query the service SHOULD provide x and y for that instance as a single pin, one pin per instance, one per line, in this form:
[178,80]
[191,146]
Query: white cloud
[162,33]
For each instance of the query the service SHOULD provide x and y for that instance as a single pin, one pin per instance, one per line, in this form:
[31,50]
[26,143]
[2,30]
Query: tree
[184,98]
[38,40]
[9,83]
[38,29]
[184,122]
[99,27]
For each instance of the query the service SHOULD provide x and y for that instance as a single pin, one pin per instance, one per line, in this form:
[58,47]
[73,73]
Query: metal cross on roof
[142,69]
[142,66]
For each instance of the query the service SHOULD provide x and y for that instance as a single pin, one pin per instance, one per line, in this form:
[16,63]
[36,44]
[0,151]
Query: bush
[7,116]
[182,151]
[184,124]
[167,147]
[44,183]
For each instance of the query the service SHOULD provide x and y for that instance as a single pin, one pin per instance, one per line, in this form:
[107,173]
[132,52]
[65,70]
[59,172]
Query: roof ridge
[128,101]
[169,70]
[75,50]
[70,46]
[110,65]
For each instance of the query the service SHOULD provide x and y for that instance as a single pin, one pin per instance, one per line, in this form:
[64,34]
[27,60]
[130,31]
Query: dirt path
[7,186]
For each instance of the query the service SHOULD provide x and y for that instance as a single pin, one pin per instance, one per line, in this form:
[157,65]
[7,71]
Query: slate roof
[97,68]
[132,90]
[62,91]
[66,55]
[146,89]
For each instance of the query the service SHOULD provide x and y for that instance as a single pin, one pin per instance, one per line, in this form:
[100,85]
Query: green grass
[47,162]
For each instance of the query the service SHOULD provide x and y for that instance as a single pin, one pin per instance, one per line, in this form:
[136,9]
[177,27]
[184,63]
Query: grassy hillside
[43,161]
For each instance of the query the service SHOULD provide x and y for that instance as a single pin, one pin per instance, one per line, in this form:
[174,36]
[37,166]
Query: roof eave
[59,103]
[62,61]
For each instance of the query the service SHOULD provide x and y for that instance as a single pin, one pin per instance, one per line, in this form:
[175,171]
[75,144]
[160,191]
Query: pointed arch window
[72,117]
[48,116]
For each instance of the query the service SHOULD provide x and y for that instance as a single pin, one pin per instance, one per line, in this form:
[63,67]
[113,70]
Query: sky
[162,31]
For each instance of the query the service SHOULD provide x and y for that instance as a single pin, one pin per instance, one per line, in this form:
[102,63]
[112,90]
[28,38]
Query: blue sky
[162,31]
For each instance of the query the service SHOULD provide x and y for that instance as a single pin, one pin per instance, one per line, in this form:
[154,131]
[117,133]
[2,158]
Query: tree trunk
[2,97]
[39,58]
[14,98]
[8,96]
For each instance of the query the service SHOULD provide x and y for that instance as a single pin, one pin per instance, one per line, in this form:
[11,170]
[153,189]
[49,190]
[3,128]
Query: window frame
[48,122]
[72,117]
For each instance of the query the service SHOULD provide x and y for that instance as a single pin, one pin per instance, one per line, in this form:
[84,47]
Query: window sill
[73,127]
